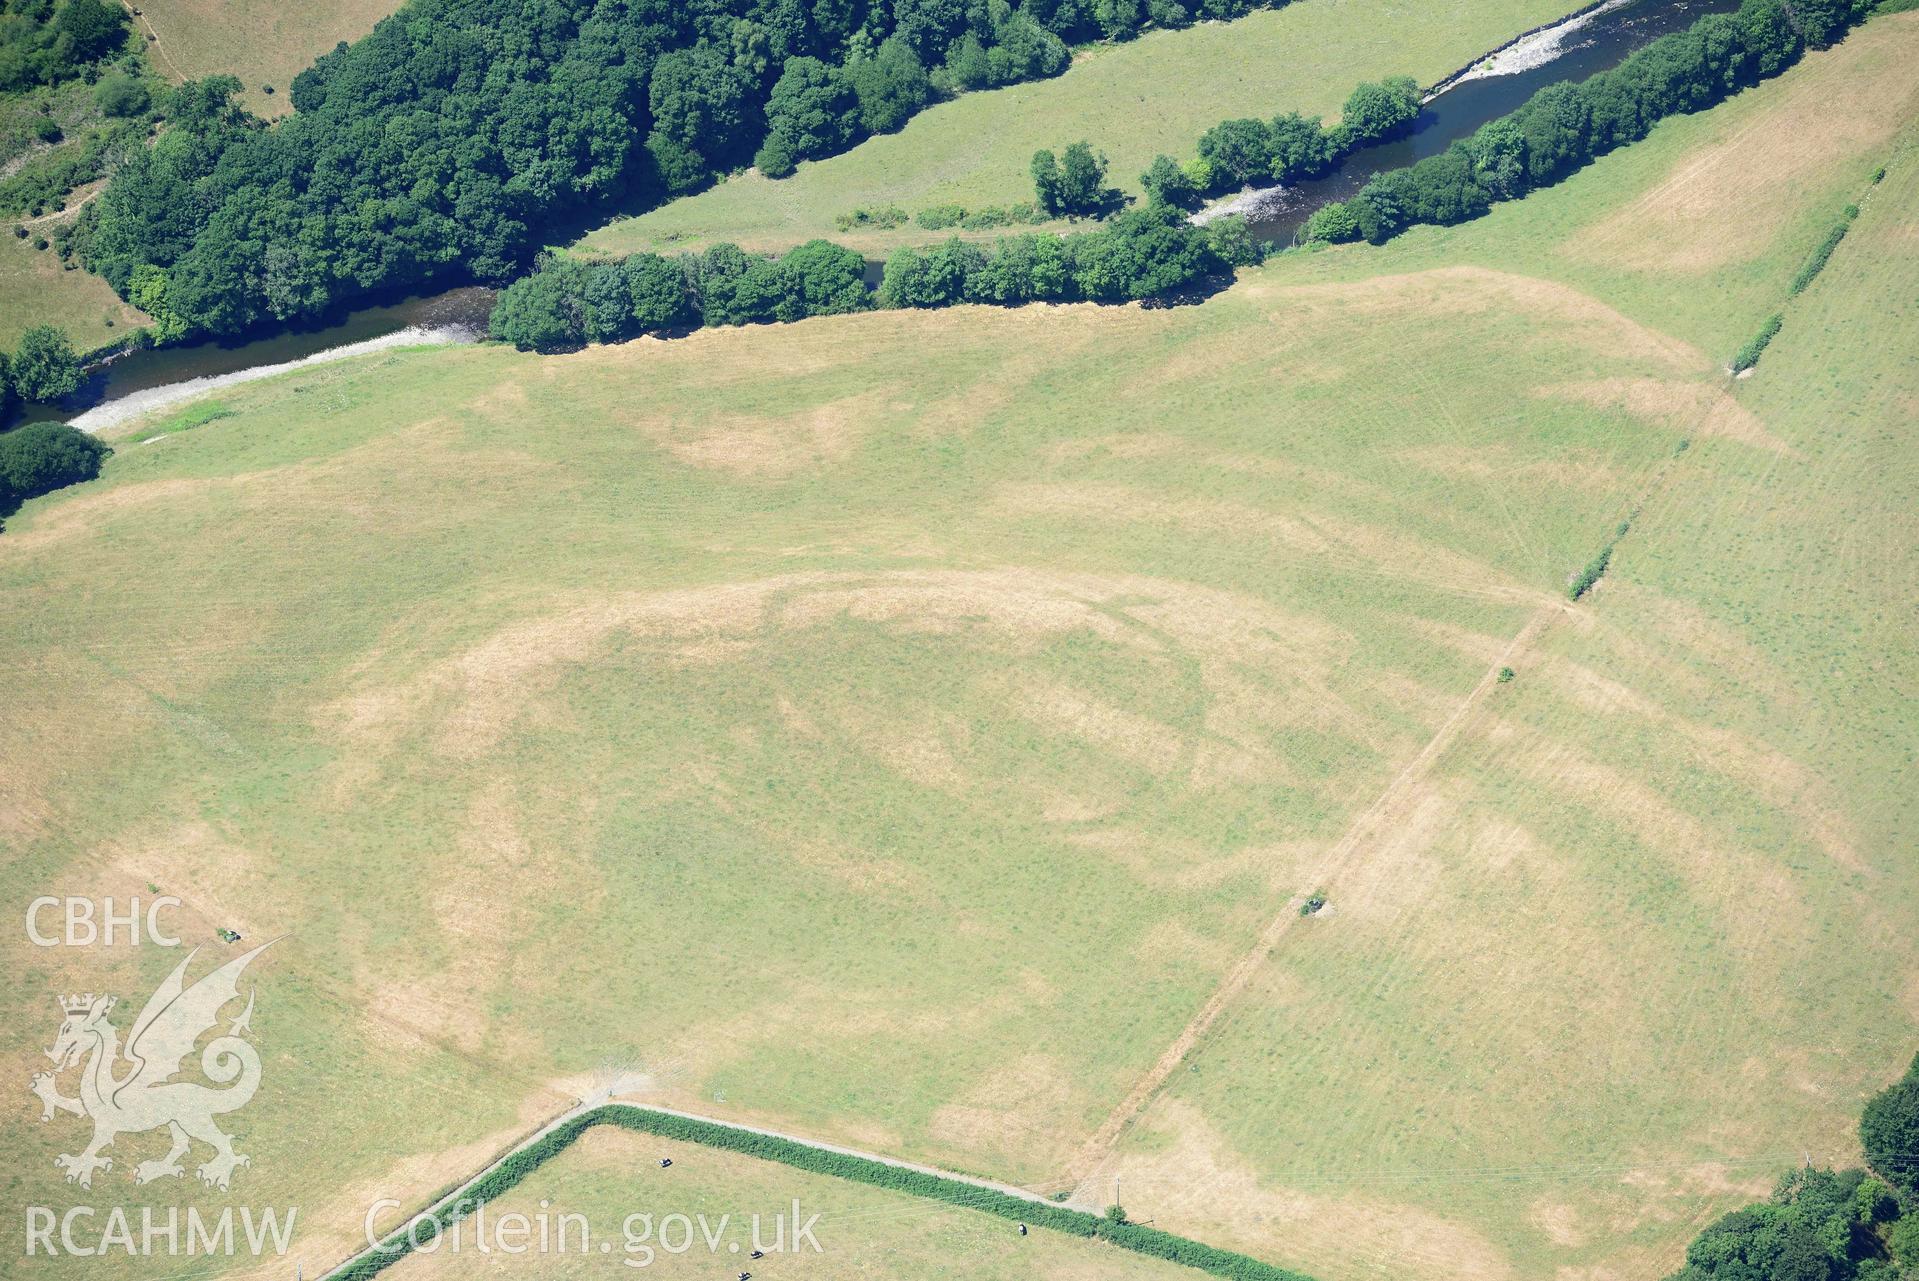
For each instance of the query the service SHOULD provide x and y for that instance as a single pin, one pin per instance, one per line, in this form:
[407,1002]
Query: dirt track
[1390,808]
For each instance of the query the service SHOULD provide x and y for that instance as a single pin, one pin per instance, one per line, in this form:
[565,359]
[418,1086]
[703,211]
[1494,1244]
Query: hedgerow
[1596,567]
[1141,254]
[1817,262]
[1749,354]
[801,1156]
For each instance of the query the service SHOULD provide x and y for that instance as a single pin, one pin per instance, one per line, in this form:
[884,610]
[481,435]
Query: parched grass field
[263,42]
[782,713]
[1132,101]
[1528,1039]
[895,728]
[1697,229]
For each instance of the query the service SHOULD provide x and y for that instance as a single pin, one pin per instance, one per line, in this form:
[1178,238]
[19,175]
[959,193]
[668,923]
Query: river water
[1594,42]
[139,376]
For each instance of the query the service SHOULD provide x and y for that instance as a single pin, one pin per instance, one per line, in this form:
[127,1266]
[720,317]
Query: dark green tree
[1166,183]
[44,367]
[1381,110]
[1047,181]
[657,295]
[1231,241]
[1082,180]
[546,311]
[715,277]
[1119,19]
[1024,50]
[120,95]
[42,457]
[1298,148]
[705,104]
[1889,1132]
[891,85]
[1239,152]
[812,112]
[966,66]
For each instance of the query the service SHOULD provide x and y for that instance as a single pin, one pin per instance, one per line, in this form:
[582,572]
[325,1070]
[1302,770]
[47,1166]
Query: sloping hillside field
[921,731]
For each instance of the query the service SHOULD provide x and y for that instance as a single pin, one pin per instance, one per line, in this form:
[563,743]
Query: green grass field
[36,290]
[1132,101]
[894,728]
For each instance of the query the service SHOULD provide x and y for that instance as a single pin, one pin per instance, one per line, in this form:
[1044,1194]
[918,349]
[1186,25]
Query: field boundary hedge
[512,1169]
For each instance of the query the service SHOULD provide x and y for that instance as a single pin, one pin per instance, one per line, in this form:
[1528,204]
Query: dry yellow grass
[1725,201]
[260,41]
[896,728]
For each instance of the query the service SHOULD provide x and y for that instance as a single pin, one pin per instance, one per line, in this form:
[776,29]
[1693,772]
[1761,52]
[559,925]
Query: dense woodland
[76,99]
[448,142]
[44,43]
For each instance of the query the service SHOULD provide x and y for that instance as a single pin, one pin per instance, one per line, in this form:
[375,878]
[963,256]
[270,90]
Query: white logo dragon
[144,1097]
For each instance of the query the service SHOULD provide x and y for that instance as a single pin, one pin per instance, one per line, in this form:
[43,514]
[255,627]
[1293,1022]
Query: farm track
[1390,807]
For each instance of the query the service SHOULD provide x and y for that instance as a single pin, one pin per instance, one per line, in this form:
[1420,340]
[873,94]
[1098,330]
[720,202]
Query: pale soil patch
[1753,898]
[1764,770]
[78,512]
[479,904]
[1134,447]
[1160,860]
[1499,844]
[1558,1221]
[1406,795]
[47,736]
[807,1017]
[1345,544]
[477,694]
[769,447]
[1479,647]
[1076,809]
[1015,1109]
[1690,408]
[1197,1184]
[1499,464]
[1447,293]
[1083,715]
[1174,941]
[259,41]
[1733,658]
[1727,201]
[219,884]
[1131,446]
[917,744]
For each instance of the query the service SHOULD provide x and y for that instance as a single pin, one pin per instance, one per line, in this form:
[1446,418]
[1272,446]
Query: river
[1494,85]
